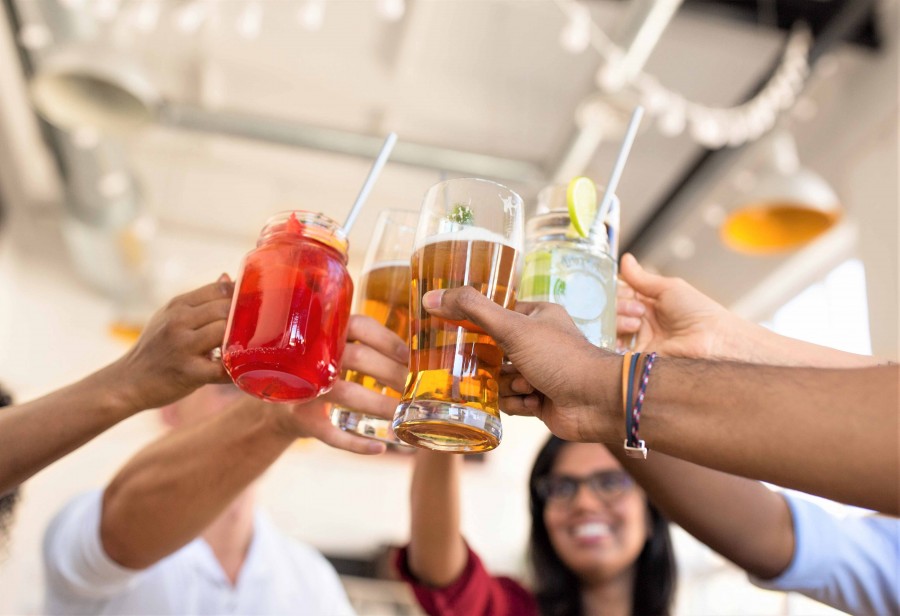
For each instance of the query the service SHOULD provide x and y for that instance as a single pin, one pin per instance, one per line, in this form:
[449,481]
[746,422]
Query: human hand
[377,352]
[558,376]
[172,357]
[669,316]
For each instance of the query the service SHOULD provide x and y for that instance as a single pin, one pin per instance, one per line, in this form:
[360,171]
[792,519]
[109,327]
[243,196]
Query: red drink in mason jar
[288,324]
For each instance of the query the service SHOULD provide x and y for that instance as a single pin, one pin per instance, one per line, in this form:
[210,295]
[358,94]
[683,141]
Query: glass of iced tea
[287,329]
[470,233]
[383,294]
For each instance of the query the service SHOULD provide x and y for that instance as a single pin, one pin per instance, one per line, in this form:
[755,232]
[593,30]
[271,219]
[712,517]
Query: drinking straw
[624,149]
[370,181]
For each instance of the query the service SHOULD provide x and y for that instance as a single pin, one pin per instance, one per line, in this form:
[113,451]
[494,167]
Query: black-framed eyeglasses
[605,485]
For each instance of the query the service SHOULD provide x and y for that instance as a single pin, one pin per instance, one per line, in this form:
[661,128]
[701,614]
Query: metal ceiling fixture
[786,207]
[87,87]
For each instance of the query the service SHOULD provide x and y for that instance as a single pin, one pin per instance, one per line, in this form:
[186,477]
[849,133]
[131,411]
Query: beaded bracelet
[634,446]
[645,378]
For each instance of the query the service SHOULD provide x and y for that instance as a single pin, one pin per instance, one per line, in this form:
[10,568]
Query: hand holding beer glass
[470,233]
[384,296]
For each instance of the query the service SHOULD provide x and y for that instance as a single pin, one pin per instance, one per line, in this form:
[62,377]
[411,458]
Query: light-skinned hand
[377,352]
[668,316]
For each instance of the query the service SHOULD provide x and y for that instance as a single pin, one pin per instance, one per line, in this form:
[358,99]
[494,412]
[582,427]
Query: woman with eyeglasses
[597,545]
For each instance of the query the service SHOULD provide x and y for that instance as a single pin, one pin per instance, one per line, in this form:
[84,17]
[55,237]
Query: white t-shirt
[279,576]
[850,563]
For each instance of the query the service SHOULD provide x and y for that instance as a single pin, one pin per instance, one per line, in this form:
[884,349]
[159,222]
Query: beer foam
[466,233]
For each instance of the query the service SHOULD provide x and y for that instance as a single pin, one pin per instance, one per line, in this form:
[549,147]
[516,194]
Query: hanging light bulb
[391,10]
[673,121]
[35,36]
[146,16]
[249,22]
[105,10]
[576,34]
[190,17]
[312,15]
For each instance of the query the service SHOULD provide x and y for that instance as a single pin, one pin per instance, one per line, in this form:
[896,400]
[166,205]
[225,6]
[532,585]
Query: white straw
[624,149]
[374,172]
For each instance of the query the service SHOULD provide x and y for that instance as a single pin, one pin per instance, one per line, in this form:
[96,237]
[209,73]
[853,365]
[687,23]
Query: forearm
[437,552]
[739,518]
[827,432]
[172,490]
[752,343]
[37,433]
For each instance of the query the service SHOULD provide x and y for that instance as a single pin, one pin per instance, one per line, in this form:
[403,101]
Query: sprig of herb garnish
[462,214]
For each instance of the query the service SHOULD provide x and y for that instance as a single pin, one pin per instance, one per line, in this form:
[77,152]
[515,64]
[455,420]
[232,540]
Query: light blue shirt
[851,563]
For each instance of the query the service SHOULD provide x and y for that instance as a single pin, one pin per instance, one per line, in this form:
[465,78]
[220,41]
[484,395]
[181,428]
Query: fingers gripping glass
[605,485]
[383,295]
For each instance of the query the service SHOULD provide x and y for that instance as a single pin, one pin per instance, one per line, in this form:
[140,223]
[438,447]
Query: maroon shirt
[474,593]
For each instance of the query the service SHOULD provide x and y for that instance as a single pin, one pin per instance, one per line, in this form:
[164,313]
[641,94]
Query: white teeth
[592,530]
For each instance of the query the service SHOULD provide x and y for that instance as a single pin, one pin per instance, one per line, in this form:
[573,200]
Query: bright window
[833,312]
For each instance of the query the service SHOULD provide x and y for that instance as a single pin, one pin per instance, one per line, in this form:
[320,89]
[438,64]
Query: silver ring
[215,354]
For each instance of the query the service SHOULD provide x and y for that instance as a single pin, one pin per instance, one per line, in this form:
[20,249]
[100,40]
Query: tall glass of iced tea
[470,233]
[383,294]
[288,324]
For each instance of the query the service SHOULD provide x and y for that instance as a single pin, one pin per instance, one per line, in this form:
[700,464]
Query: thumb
[639,279]
[467,304]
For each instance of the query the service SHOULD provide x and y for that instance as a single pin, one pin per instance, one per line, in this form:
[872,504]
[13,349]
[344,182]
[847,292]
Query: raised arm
[669,316]
[739,518]
[170,360]
[437,553]
[198,470]
[826,432]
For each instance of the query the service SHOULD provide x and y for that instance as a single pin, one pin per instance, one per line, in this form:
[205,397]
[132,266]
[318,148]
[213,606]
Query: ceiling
[488,77]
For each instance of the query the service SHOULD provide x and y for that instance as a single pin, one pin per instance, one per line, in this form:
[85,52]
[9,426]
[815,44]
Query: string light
[146,15]
[312,15]
[576,34]
[106,10]
[249,22]
[391,10]
[35,36]
[712,127]
[191,16]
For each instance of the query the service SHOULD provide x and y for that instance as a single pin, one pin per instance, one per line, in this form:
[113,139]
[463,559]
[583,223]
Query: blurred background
[144,143]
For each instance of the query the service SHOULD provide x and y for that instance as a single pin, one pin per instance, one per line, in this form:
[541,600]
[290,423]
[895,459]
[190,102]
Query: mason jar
[578,273]
[287,330]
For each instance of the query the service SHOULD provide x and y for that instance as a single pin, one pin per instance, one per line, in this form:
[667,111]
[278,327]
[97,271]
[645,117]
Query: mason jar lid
[555,226]
[303,224]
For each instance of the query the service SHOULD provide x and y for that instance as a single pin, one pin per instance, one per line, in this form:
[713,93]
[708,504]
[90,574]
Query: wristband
[634,448]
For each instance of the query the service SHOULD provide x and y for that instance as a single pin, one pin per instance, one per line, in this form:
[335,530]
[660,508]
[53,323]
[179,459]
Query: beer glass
[470,233]
[383,295]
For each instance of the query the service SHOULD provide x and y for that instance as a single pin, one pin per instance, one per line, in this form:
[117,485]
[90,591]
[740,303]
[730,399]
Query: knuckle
[352,353]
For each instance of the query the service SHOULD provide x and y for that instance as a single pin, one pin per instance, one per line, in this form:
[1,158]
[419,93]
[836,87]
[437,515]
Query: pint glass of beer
[383,295]
[470,233]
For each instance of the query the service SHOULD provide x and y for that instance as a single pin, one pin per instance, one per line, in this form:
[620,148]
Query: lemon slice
[581,196]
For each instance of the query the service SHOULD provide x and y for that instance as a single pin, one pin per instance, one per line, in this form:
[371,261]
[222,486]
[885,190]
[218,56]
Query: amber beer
[454,371]
[383,294]
[385,298]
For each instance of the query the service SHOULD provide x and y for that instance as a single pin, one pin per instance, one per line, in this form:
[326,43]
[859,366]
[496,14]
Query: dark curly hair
[9,499]
[558,590]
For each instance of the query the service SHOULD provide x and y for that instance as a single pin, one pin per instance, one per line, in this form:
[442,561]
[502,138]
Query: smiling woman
[597,545]
[588,545]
